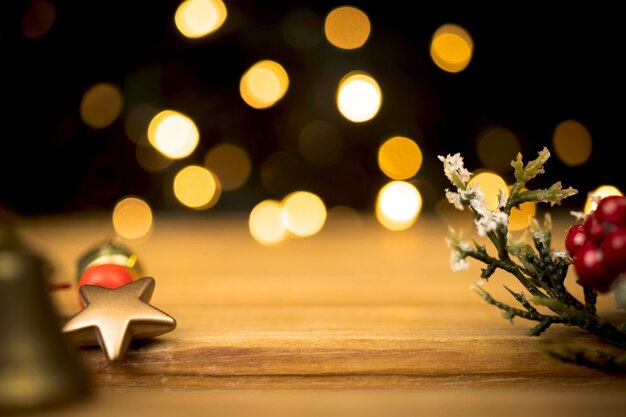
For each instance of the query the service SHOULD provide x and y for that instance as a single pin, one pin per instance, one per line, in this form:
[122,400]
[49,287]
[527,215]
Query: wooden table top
[354,320]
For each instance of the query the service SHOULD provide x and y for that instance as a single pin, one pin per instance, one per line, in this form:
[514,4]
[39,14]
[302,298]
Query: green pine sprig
[540,269]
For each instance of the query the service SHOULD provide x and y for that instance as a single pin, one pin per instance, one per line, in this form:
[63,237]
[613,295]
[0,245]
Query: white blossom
[560,254]
[579,215]
[454,164]
[502,198]
[458,261]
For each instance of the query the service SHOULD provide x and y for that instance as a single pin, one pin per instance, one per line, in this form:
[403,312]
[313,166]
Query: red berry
[612,209]
[591,271]
[593,228]
[105,275]
[614,250]
[575,239]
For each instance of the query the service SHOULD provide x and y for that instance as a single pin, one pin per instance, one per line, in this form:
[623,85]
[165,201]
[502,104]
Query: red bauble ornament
[593,228]
[105,275]
[614,250]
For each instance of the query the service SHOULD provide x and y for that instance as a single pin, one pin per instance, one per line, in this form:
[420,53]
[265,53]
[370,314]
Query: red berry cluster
[598,246]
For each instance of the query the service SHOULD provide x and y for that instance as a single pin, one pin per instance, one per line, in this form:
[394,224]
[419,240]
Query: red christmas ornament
[590,268]
[105,275]
[614,250]
[612,209]
[575,239]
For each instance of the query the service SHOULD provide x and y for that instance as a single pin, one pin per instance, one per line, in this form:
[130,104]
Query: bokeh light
[173,134]
[320,143]
[358,97]
[347,27]
[399,158]
[572,142]
[520,217]
[101,105]
[38,19]
[132,218]
[137,121]
[491,184]
[263,84]
[600,192]
[304,213]
[198,18]
[230,163]
[302,29]
[266,223]
[497,147]
[398,205]
[196,187]
[451,48]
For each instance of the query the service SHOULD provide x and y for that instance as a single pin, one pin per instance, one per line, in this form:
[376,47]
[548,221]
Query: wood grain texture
[354,307]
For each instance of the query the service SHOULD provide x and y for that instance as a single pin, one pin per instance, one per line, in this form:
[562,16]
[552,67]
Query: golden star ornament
[113,318]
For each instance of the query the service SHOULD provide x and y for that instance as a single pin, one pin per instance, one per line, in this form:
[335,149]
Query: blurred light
[358,97]
[600,192]
[520,218]
[451,48]
[572,143]
[137,122]
[491,184]
[398,205]
[399,158]
[230,163]
[101,105]
[320,143]
[264,84]
[304,213]
[302,29]
[198,18]
[150,159]
[266,222]
[173,134]
[347,27]
[38,19]
[132,218]
[496,148]
[196,187]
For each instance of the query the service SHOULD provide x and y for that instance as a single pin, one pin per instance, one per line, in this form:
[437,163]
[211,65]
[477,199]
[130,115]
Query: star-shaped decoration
[113,318]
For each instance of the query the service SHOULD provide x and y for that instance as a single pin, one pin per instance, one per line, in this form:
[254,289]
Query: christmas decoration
[114,317]
[597,247]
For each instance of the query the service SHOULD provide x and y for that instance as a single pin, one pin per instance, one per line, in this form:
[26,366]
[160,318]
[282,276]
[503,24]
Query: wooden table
[356,320]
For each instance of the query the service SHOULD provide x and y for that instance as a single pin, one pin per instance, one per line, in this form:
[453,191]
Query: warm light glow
[451,48]
[230,163]
[38,19]
[304,213]
[497,147]
[132,218]
[347,27]
[101,105]
[173,134]
[137,122]
[264,84]
[196,187]
[198,18]
[358,97]
[266,223]
[399,158]
[600,192]
[301,29]
[520,218]
[572,143]
[320,142]
[398,205]
[491,184]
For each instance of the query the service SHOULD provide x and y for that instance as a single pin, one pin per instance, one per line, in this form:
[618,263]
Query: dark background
[533,67]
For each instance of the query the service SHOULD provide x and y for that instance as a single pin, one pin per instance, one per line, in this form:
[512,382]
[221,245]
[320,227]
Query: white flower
[454,164]
[502,198]
[579,215]
[479,202]
[560,254]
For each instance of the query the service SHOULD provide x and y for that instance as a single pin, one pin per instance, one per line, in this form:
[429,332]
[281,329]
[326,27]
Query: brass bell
[38,367]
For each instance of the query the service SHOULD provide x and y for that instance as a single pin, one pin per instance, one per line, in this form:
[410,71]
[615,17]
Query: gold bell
[109,252]
[38,367]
